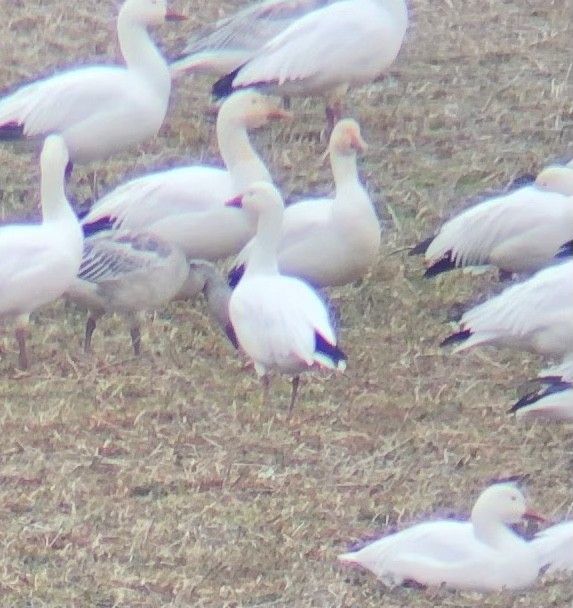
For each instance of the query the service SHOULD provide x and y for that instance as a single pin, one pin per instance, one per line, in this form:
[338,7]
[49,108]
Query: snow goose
[329,242]
[233,40]
[535,315]
[279,321]
[39,262]
[482,554]
[328,50]
[128,273]
[552,395]
[522,231]
[553,547]
[103,109]
[186,206]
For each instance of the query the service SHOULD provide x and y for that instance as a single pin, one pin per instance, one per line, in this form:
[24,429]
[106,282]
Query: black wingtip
[330,350]
[525,179]
[11,131]
[235,275]
[103,223]
[224,86]
[565,251]
[421,247]
[444,264]
[554,387]
[460,336]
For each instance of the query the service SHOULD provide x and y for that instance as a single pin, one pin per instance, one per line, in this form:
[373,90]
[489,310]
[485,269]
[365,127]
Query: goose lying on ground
[535,315]
[483,554]
[279,321]
[329,241]
[344,44]
[553,547]
[186,206]
[39,262]
[522,231]
[100,110]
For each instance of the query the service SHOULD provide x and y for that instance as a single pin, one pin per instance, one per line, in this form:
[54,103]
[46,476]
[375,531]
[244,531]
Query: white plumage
[521,231]
[483,554]
[329,241]
[100,110]
[39,262]
[337,46]
[186,206]
[234,40]
[554,547]
[279,321]
[535,315]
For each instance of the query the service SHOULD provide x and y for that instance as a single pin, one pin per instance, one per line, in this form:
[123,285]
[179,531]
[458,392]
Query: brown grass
[157,481]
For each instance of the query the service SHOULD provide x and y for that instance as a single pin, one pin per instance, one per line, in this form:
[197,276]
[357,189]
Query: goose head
[148,12]
[503,503]
[556,179]
[346,139]
[252,109]
[260,198]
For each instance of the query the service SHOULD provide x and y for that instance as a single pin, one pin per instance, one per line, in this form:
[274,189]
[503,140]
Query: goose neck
[492,532]
[54,203]
[263,257]
[344,168]
[142,56]
[244,164]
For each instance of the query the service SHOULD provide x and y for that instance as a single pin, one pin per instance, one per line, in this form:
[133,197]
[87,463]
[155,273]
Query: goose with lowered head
[482,554]
[329,241]
[279,321]
[39,262]
[186,206]
[100,110]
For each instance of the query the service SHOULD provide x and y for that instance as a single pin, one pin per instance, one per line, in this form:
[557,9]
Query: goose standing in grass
[483,554]
[233,40]
[554,548]
[535,315]
[39,262]
[552,397]
[104,109]
[279,321]
[130,273]
[343,44]
[186,206]
[329,241]
[522,231]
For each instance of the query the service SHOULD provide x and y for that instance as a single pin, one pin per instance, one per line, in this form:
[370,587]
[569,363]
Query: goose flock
[158,237]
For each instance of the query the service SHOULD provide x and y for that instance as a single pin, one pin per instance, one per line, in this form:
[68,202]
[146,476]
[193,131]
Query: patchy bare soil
[157,481]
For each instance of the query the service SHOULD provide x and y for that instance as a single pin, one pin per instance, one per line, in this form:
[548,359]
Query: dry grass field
[158,481]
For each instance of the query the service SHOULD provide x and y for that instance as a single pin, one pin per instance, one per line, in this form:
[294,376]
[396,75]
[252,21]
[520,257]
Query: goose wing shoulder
[336,43]
[553,547]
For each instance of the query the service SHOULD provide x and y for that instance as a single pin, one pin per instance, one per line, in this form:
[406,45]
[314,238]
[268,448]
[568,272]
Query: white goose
[186,206]
[552,399]
[100,110]
[553,547]
[330,241]
[536,315]
[233,40]
[279,321]
[521,231]
[483,554]
[326,51]
[39,262]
